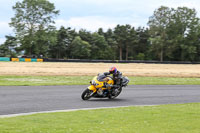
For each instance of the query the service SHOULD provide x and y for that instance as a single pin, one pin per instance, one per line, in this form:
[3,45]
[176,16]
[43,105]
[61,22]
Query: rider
[117,76]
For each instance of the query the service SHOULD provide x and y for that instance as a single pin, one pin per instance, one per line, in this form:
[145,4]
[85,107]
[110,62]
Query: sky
[93,14]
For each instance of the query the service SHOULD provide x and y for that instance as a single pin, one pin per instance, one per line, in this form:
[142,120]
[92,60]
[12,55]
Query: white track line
[69,110]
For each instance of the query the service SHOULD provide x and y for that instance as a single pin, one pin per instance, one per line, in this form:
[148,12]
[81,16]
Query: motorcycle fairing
[95,83]
[92,88]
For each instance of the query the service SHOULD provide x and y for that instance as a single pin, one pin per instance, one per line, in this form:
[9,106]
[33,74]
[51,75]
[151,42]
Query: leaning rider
[117,76]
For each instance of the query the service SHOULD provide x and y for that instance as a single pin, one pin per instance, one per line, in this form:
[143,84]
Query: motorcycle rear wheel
[112,96]
[87,94]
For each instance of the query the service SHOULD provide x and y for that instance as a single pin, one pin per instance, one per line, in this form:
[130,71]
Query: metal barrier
[21,59]
[92,61]
[4,59]
[15,59]
[119,61]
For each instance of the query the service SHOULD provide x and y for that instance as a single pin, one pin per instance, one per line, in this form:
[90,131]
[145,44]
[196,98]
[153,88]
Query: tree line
[173,34]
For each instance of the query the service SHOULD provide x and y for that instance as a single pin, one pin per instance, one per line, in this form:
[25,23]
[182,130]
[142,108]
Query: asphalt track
[25,99]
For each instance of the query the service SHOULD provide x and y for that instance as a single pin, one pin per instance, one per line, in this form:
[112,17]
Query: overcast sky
[93,14]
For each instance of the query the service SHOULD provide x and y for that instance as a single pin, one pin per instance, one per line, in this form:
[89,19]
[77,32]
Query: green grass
[164,81]
[44,80]
[84,80]
[183,118]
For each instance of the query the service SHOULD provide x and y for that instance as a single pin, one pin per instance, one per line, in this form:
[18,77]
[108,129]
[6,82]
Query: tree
[121,34]
[130,38]
[44,39]
[183,31]
[120,39]
[80,49]
[99,47]
[132,44]
[110,39]
[31,16]
[139,43]
[100,32]
[61,48]
[174,32]
[8,48]
[125,37]
[158,24]
[85,35]
[193,42]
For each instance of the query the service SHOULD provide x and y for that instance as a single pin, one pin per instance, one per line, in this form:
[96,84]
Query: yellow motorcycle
[103,87]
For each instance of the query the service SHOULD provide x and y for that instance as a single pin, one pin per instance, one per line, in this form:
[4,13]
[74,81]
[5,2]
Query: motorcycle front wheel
[87,94]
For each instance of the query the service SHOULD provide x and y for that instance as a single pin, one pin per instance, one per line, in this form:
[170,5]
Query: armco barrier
[118,61]
[4,59]
[33,60]
[94,61]
[39,60]
[27,59]
[22,59]
[15,59]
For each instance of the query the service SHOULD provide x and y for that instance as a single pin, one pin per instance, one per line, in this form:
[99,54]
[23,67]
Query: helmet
[113,70]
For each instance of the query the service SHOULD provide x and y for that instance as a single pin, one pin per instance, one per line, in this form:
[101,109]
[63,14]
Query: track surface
[24,99]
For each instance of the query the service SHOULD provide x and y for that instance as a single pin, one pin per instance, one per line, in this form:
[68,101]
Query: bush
[140,56]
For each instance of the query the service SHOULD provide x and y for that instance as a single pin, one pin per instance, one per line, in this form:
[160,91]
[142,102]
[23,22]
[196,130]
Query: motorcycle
[103,87]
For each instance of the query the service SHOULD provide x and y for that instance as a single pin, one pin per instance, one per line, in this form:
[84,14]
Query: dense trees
[80,49]
[172,35]
[175,34]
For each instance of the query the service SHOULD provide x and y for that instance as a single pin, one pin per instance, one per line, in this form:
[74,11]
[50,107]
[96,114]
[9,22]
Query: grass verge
[84,80]
[182,118]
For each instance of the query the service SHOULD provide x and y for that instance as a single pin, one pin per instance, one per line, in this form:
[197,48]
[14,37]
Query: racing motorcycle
[103,87]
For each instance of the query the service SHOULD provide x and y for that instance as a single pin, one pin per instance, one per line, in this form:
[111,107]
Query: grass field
[35,73]
[91,69]
[183,118]
[84,80]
